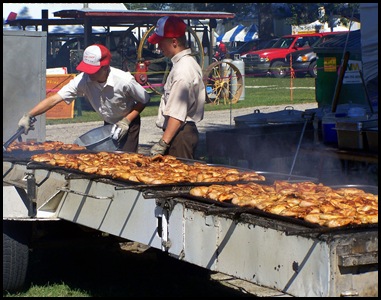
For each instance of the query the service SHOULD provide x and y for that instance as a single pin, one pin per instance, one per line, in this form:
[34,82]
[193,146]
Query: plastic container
[351,132]
[329,133]
[329,57]
[356,112]
[350,139]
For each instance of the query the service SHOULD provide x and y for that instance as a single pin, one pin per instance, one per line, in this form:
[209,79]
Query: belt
[189,123]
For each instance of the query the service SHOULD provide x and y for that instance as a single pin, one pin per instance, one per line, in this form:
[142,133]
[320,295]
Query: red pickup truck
[271,61]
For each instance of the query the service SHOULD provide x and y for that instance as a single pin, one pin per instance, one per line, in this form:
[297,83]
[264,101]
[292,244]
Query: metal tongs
[17,135]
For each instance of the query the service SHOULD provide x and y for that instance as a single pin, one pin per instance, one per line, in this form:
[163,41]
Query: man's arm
[40,108]
[45,105]
[173,126]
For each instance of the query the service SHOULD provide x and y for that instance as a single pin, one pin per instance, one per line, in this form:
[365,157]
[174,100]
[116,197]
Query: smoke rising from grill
[258,150]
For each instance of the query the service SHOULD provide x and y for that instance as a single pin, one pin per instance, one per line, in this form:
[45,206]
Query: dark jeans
[130,142]
[184,144]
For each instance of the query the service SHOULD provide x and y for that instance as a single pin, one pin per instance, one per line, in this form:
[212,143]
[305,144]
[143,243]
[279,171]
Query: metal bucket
[98,139]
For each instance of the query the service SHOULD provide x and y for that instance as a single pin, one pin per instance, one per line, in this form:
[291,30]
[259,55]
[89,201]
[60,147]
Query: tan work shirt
[184,91]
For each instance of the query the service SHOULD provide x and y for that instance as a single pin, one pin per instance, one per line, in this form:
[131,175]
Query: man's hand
[26,122]
[120,129]
[159,148]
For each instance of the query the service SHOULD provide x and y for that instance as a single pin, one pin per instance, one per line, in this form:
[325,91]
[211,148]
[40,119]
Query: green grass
[259,91]
[50,290]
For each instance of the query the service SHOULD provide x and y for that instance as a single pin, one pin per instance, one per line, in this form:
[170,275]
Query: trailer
[288,255]
[284,254]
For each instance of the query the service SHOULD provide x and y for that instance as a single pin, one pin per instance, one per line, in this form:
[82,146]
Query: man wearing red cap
[182,103]
[114,94]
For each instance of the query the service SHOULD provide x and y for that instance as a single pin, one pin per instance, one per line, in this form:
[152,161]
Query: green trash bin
[329,60]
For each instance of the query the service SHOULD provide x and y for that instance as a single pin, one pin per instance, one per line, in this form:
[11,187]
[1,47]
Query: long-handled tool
[366,92]
[339,82]
[17,135]
[308,117]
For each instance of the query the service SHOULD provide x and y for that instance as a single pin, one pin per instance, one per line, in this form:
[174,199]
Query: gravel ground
[149,133]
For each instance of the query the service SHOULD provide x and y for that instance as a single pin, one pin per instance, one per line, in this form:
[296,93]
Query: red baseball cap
[168,27]
[94,57]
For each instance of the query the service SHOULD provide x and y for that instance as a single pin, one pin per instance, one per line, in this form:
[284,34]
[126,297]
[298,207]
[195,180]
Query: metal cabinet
[24,80]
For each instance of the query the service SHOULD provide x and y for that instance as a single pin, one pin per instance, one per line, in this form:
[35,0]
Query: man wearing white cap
[114,94]
[182,103]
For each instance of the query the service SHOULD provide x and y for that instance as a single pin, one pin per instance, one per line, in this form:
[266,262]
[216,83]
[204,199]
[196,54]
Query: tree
[265,19]
[24,13]
[302,13]
[342,12]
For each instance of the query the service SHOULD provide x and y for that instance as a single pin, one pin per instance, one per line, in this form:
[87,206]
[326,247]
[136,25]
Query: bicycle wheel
[223,82]
[157,66]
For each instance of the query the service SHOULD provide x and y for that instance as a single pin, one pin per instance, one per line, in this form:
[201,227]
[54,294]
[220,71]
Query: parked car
[271,61]
[303,61]
[252,45]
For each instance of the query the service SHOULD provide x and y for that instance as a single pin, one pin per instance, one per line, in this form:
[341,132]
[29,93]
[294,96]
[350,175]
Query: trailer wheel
[223,82]
[15,255]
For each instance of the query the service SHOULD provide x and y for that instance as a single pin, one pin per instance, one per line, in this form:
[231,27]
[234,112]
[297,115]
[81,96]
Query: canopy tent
[369,39]
[239,33]
[317,26]
[369,49]
[247,34]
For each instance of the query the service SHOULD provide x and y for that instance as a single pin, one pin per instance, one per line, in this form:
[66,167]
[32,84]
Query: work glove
[120,129]
[27,122]
[159,148]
